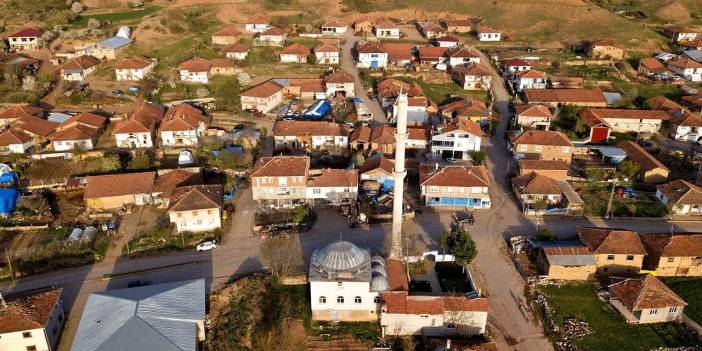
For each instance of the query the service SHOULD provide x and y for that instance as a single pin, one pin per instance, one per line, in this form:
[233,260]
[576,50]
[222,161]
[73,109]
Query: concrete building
[113,191]
[257,24]
[340,81]
[196,208]
[534,190]
[533,117]
[488,34]
[385,28]
[332,187]
[554,169]
[566,262]
[616,251]
[31,320]
[183,125]
[326,54]
[26,39]
[15,141]
[456,140]
[195,70]
[683,197]
[651,170]
[531,79]
[295,53]
[686,68]
[280,181]
[645,299]
[311,135]
[455,186]
[560,97]
[79,68]
[334,27]
[273,36]
[139,129]
[78,132]
[473,77]
[542,145]
[236,51]
[624,120]
[135,68]
[371,55]
[263,97]
[673,254]
[345,282]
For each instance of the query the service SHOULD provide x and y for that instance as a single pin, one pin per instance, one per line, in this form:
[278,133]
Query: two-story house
[455,186]
[31,320]
[673,255]
[686,68]
[456,140]
[78,132]
[683,197]
[79,68]
[371,55]
[26,39]
[533,116]
[531,79]
[134,68]
[475,76]
[183,125]
[257,23]
[514,66]
[138,130]
[263,97]
[542,145]
[195,70]
[236,51]
[280,181]
[326,54]
[340,81]
[332,186]
[651,170]
[460,56]
[310,135]
[196,208]
[617,251]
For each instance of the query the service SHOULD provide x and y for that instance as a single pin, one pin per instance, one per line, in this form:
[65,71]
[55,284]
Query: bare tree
[282,255]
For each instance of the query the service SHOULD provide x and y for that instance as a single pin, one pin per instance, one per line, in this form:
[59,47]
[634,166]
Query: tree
[300,214]
[478,157]
[282,255]
[140,161]
[358,159]
[629,168]
[311,59]
[544,234]
[444,240]
[463,248]
[540,204]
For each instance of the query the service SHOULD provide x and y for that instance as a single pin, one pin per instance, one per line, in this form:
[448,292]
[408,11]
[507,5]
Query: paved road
[348,64]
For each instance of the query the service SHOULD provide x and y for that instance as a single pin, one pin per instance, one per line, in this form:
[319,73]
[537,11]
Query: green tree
[629,168]
[358,159]
[311,59]
[463,248]
[140,161]
[444,239]
[300,214]
[225,90]
[544,234]
[540,204]
[479,157]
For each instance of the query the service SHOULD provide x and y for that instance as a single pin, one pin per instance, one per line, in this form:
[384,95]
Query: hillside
[662,11]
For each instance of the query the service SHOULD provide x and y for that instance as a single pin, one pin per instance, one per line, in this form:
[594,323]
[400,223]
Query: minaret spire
[399,176]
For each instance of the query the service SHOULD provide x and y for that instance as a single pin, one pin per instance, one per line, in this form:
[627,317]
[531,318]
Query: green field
[609,329]
[126,16]
[690,289]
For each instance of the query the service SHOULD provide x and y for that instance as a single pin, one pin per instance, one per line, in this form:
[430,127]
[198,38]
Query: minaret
[399,176]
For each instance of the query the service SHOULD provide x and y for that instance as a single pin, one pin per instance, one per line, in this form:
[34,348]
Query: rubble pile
[574,328]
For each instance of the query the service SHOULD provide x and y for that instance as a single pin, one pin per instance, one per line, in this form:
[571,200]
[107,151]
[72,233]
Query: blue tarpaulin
[8,178]
[8,200]
[318,110]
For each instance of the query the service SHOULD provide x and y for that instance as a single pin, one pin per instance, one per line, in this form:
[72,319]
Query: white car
[207,245]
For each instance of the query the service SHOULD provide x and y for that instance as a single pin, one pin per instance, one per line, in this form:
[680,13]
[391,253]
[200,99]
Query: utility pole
[9,263]
[611,198]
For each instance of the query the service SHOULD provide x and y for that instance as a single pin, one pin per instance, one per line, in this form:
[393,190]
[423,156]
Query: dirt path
[348,64]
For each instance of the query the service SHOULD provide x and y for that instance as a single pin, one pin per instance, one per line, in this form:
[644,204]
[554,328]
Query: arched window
[376,299]
[357,299]
[339,299]
[322,299]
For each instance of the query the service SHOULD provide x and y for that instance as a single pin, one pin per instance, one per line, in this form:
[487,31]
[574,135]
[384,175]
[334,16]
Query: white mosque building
[345,283]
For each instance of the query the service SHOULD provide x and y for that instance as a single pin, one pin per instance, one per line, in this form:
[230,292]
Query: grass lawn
[452,278]
[596,196]
[436,92]
[690,289]
[125,16]
[609,330]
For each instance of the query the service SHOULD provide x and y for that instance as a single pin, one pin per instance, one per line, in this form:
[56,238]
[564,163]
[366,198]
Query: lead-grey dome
[377,268]
[379,283]
[341,256]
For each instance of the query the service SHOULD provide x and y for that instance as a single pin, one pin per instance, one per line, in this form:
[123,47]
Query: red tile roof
[27,33]
[295,49]
[637,154]
[326,48]
[653,65]
[565,96]
[334,23]
[645,292]
[399,302]
[142,120]
[16,112]
[531,74]
[347,178]
[236,48]
[195,64]
[119,185]
[542,137]
[229,31]
[314,128]
[684,62]
[258,19]
[136,62]
[536,183]
[281,166]
[183,117]
[517,63]
[370,48]
[263,90]
[398,51]
[543,165]
[475,69]
[397,275]
[35,126]
[465,176]
[534,111]
[681,192]
[611,241]
[464,125]
[427,53]
[196,197]
[339,76]
[274,31]
[461,51]
[81,63]
[13,137]
[381,162]
[566,250]
[448,39]
[220,62]
[25,312]
[169,181]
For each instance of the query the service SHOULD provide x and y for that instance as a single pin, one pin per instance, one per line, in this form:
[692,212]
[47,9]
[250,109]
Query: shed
[566,261]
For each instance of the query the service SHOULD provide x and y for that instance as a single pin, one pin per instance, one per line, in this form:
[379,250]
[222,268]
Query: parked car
[207,245]
[451,160]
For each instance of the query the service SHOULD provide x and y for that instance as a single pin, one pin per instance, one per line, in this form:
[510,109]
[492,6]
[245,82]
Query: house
[399,54]
[223,67]
[334,27]
[679,33]
[31,320]
[280,181]
[226,36]
[468,109]
[385,28]
[533,116]
[604,48]
[166,316]
[114,191]
[134,68]
[603,121]
[381,138]
[15,141]
[559,97]
[645,299]
[308,89]
[183,125]
[170,180]
[310,135]
[686,68]
[542,145]
[458,25]
[683,197]
[475,76]
[461,56]
[531,79]
[695,55]
[109,48]
[138,130]
[332,187]
[263,97]
[616,251]
[274,36]
[38,128]
[515,65]
[650,66]
[566,262]
[236,51]
[456,140]
[447,41]
[419,107]
[257,24]
[536,189]
[673,254]
[693,102]
[488,34]
[431,55]
[455,186]
[692,44]
[371,55]
[196,208]
[688,127]
[14,60]
[327,54]
[17,112]
[79,68]
[554,169]
[195,70]
[403,313]
[26,39]
[378,170]
[389,89]
[340,81]
[651,170]
[343,286]
[295,53]
[80,131]
[430,30]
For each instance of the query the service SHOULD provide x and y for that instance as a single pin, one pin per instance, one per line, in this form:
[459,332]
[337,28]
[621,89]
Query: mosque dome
[341,256]
[379,283]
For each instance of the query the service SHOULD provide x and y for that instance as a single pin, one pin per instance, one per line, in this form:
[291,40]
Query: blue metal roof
[115,42]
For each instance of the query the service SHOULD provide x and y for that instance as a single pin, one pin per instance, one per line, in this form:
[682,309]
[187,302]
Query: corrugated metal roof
[154,317]
[115,42]
[571,260]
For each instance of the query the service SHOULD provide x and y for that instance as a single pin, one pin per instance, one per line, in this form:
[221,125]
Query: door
[375,64]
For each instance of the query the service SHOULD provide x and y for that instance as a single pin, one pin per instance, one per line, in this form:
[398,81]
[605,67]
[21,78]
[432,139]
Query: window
[194,213]
[424,316]
[357,299]
[610,257]
[339,299]
[376,299]
[316,191]
[629,257]
[31,348]
[673,309]
[566,149]
[537,148]
[322,299]
[339,284]
[433,189]
[671,259]
[523,147]
[653,312]
[27,335]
